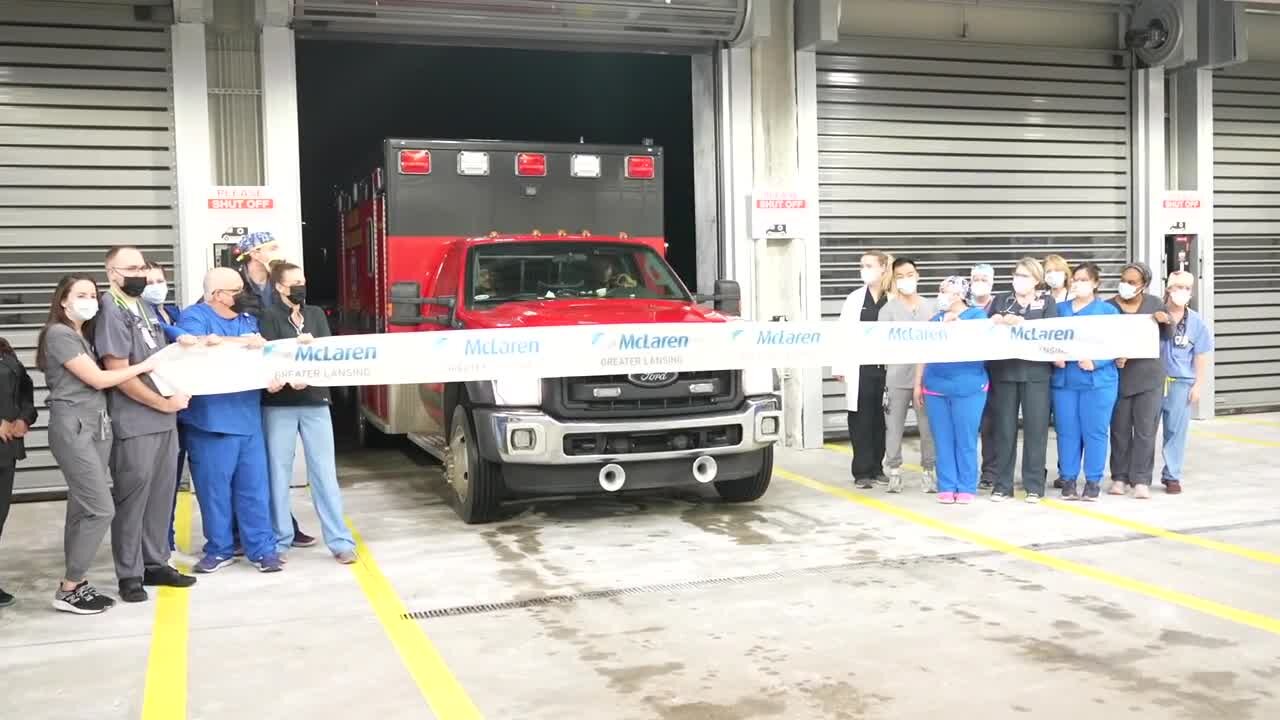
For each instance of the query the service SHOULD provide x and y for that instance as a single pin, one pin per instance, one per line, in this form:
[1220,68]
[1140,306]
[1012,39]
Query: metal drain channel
[733,580]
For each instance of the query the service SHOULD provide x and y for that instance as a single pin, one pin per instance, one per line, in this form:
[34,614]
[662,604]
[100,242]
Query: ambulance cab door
[448,284]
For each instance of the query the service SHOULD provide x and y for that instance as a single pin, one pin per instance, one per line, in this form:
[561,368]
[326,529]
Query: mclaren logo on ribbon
[649,354]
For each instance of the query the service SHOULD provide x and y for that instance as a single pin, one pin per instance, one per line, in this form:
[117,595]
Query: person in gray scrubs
[1136,417]
[80,433]
[144,453]
[905,305]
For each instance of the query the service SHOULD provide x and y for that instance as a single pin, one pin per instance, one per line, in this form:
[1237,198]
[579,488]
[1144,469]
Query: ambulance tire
[480,497]
[748,489]
[368,436]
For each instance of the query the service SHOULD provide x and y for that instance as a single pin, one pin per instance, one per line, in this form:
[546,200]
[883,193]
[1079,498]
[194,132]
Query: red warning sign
[241,203]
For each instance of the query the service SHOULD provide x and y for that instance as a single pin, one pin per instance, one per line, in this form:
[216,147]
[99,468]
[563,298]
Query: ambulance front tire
[748,489]
[474,484]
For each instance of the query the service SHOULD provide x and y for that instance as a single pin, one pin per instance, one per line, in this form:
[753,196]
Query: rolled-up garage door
[1246,227]
[87,162]
[957,155]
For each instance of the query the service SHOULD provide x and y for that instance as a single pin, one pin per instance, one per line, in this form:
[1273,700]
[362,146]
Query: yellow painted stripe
[165,696]
[1152,530]
[1246,420]
[443,692]
[1237,438]
[1191,602]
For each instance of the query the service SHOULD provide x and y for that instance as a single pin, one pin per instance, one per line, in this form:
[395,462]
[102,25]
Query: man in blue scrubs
[225,440]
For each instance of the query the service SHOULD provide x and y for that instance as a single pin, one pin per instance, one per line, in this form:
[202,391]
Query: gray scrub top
[903,377]
[66,391]
[133,336]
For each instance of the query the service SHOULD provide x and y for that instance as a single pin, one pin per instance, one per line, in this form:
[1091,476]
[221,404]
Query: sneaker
[6,599]
[947,498]
[965,498]
[303,540]
[238,552]
[1069,491]
[998,497]
[1172,487]
[346,558]
[1091,492]
[1142,492]
[928,483]
[882,479]
[1032,498]
[864,483]
[1059,483]
[895,481]
[985,483]
[131,590]
[1118,487]
[83,600]
[166,577]
[269,564]
[213,563]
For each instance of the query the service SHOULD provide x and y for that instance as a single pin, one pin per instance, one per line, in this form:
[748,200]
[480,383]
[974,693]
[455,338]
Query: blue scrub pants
[1176,412]
[1082,420]
[230,471]
[955,421]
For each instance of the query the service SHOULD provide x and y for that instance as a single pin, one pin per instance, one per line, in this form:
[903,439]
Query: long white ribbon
[584,350]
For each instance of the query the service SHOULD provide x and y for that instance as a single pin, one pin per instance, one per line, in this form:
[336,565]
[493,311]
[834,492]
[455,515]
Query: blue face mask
[156,293]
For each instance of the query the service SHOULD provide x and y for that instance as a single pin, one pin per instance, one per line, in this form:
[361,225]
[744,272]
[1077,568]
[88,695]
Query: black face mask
[133,286]
[237,303]
[298,294]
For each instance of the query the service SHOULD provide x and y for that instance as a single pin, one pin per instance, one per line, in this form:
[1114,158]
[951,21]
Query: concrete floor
[807,604]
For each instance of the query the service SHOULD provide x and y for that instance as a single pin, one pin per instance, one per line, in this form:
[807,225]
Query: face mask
[298,294]
[133,286]
[155,293]
[1023,285]
[945,302]
[1082,289]
[1180,297]
[1055,278]
[871,276]
[907,286]
[237,303]
[1127,290]
[83,309]
[981,289]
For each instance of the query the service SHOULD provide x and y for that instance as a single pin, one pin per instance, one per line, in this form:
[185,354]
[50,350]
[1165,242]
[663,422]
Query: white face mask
[907,286]
[980,288]
[1128,291]
[155,293]
[83,309]
[1023,285]
[1055,279]
[945,301]
[1180,297]
[1082,288]
[871,276]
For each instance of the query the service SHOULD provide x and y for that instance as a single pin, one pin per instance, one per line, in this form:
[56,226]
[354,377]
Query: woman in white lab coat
[864,384]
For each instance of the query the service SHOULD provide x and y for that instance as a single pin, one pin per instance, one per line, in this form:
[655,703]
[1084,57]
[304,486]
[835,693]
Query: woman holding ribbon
[1185,346]
[865,384]
[905,305]
[1084,395]
[954,395]
[1137,413]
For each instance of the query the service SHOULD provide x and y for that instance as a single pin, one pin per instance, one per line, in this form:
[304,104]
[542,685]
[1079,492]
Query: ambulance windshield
[510,272]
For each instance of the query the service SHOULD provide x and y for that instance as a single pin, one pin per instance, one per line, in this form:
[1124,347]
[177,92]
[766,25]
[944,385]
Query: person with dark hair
[905,305]
[157,294]
[1084,395]
[80,433]
[295,409]
[17,415]
[1136,417]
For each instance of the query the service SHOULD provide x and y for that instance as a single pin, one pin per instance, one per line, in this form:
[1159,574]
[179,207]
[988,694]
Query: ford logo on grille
[653,380]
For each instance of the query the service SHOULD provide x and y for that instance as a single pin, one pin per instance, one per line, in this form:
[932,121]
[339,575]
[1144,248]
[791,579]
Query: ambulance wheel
[475,484]
[368,436]
[748,489]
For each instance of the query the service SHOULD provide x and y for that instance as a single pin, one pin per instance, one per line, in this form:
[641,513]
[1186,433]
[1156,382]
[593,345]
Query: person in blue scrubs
[1084,396]
[1185,346]
[225,440]
[954,395]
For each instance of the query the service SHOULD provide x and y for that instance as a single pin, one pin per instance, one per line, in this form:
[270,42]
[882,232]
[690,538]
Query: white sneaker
[1033,498]
[895,480]
[928,483]
[998,497]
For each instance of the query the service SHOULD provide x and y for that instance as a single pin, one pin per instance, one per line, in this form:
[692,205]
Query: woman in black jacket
[17,415]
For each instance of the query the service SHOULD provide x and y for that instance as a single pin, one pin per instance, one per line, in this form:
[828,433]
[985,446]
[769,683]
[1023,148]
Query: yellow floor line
[443,692]
[1191,602]
[1244,552]
[1237,438]
[165,696]
[1246,420]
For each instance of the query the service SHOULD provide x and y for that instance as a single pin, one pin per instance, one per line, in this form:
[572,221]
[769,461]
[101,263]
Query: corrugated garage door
[86,162]
[1246,142]
[960,155]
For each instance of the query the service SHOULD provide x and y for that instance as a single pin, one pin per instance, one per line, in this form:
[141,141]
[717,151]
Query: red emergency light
[531,164]
[641,167]
[415,162]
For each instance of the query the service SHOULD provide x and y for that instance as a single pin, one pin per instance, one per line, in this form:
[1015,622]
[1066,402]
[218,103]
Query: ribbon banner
[585,350]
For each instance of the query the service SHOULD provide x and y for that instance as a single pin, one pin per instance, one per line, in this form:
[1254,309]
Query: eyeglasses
[130,269]
[231,290]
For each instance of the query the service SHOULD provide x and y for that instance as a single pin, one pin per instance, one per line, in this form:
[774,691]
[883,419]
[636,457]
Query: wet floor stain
[1213,680]
[743,709]
[840,700]
[632,679]
[740,526]
[1074,631]
[1190,639]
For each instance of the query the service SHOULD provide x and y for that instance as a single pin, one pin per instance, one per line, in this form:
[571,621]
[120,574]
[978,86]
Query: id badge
[104,427]
[148,337]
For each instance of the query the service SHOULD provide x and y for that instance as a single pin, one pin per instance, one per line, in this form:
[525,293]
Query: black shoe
[984,483]
[302,540]
[6,599]
[1057,484]
[1091,491]
[84,600]
[1069,491]
[131,590]
[166,577]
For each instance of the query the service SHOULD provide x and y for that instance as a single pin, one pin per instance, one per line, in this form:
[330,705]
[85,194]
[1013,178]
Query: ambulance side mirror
[728,297]
[406,305]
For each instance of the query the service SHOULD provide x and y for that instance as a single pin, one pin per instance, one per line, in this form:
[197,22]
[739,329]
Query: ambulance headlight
[517,392]
[758,381]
